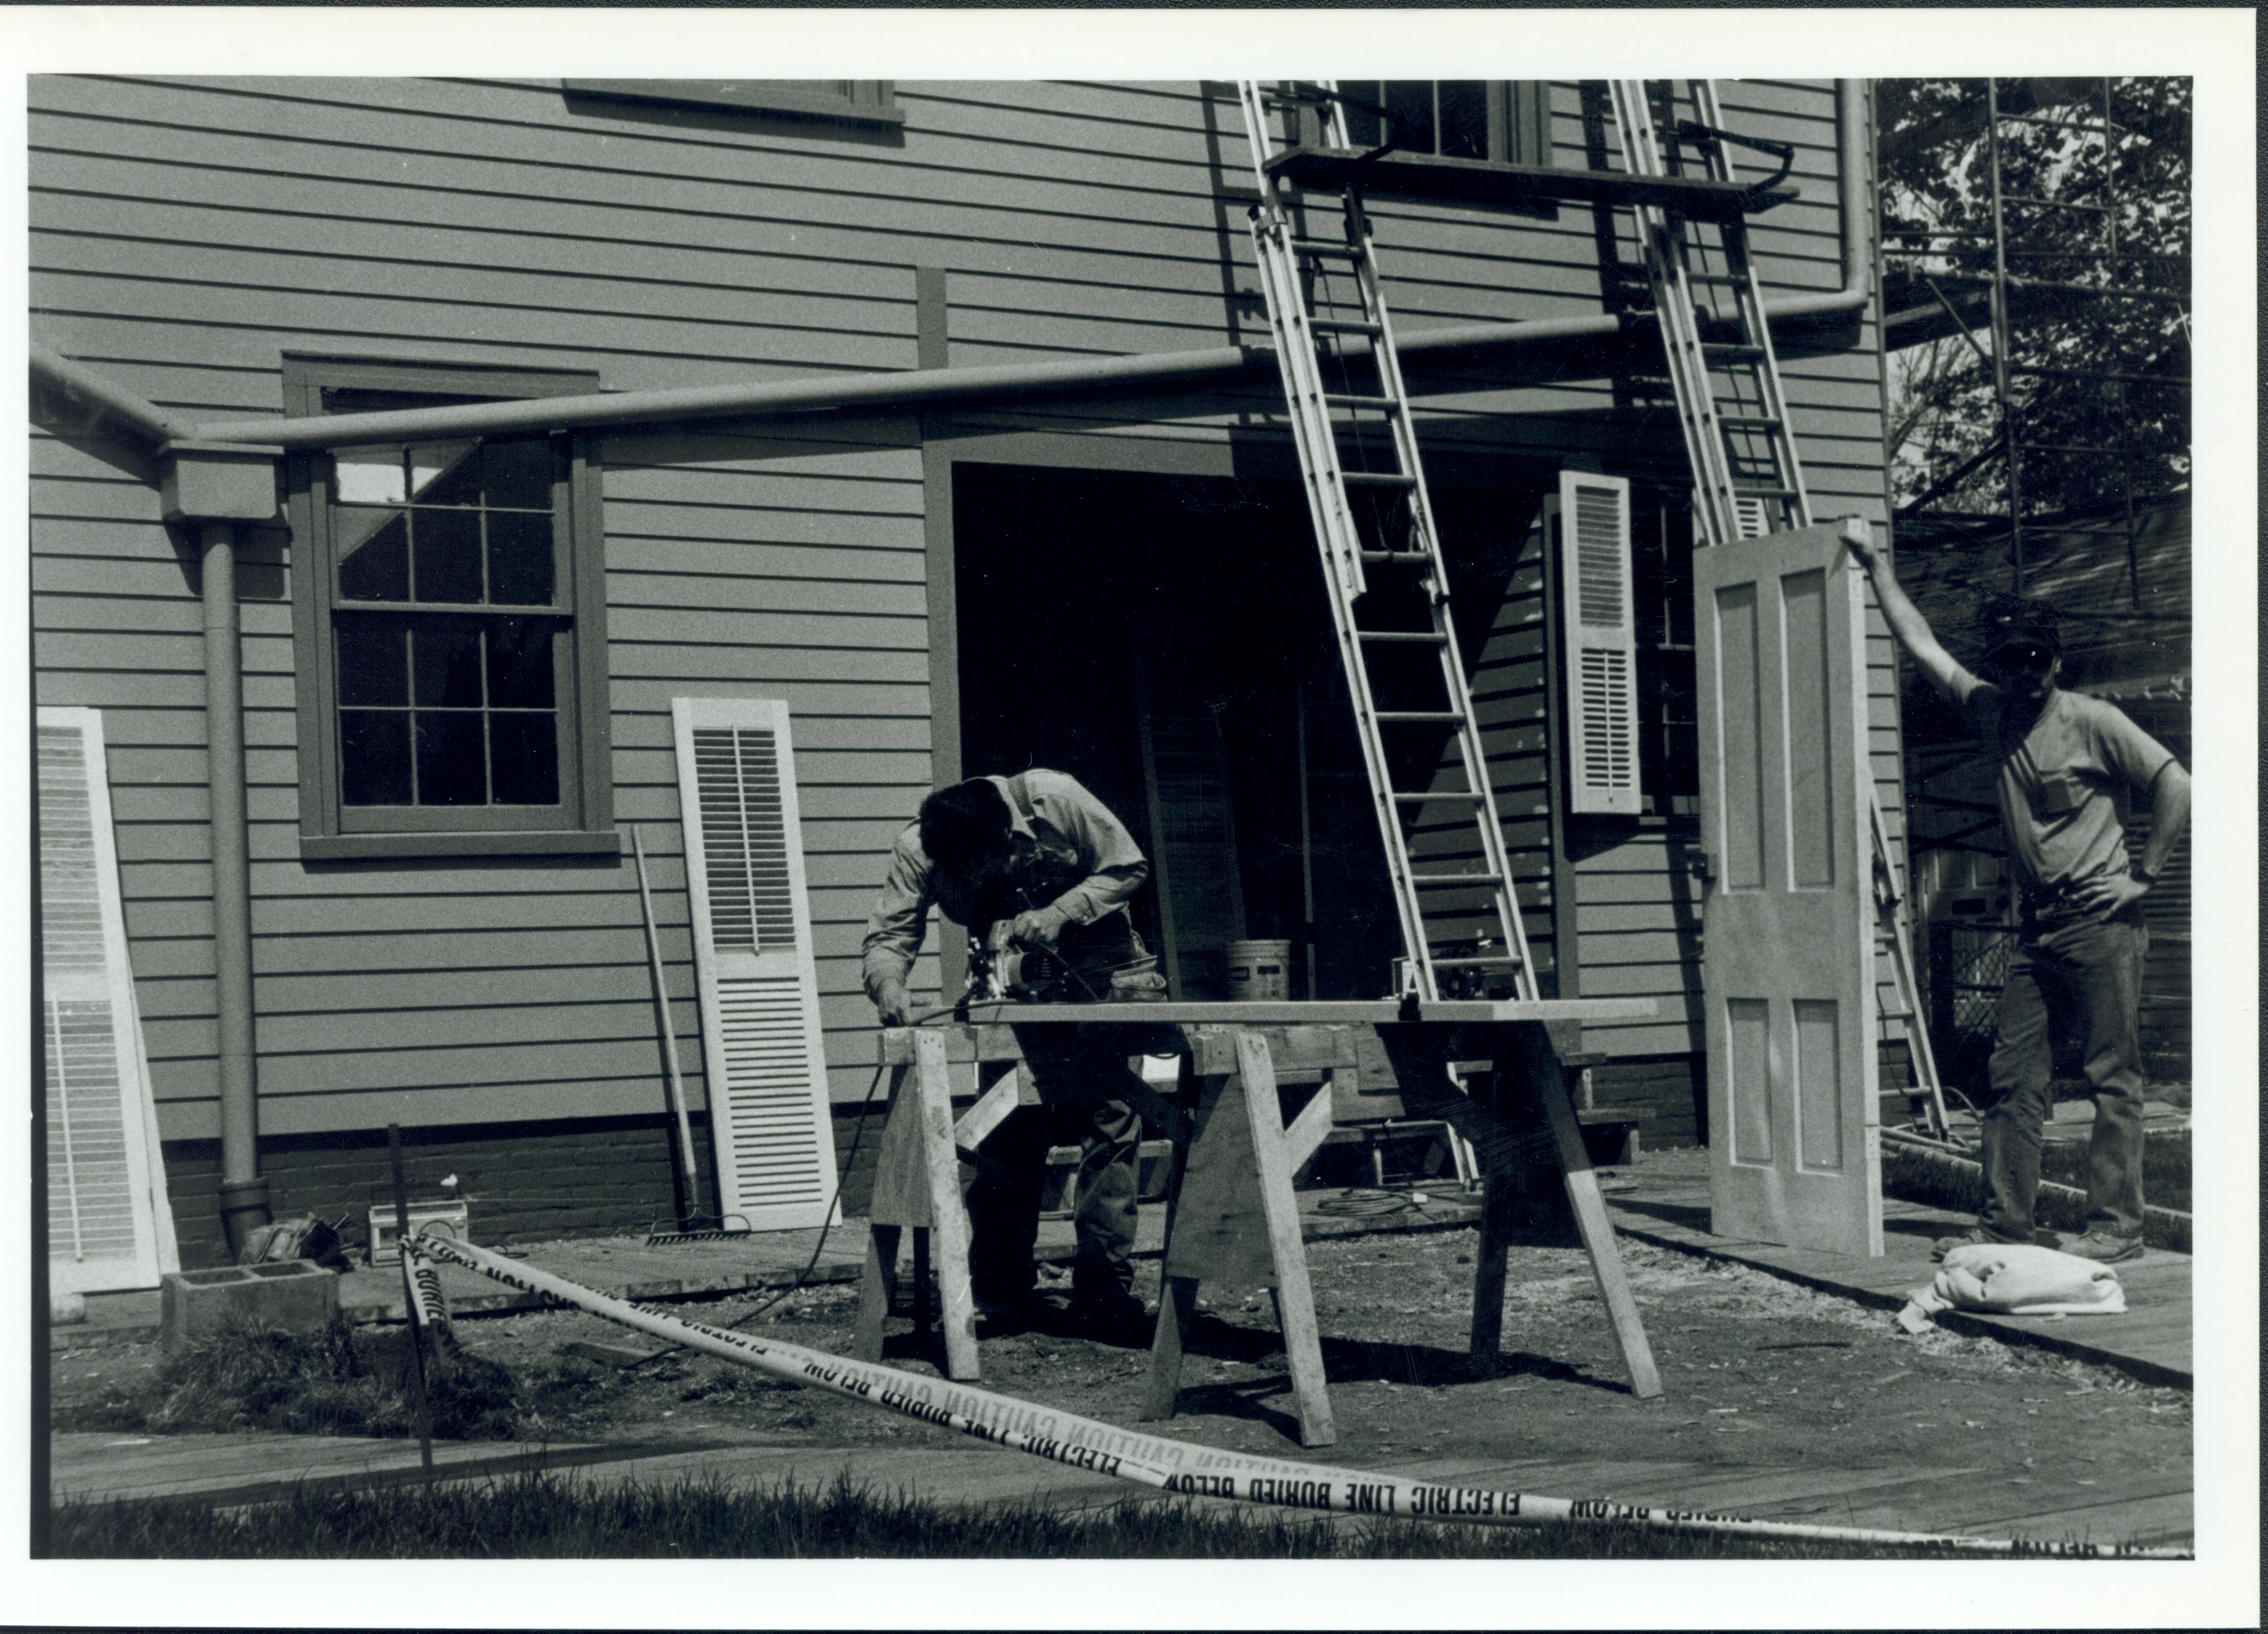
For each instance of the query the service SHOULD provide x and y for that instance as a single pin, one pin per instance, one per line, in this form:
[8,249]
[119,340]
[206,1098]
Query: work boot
[1974,1234]
[2103,1248]
[1000,1313]
[1112,1319]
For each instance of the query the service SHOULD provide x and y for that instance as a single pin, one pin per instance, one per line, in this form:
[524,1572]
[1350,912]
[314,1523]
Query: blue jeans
[2085,979]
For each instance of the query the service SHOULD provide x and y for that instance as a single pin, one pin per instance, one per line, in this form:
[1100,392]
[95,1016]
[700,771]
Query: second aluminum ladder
[1733,410]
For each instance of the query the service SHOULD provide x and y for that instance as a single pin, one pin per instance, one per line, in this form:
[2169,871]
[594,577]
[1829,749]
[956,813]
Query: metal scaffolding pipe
[243,1192]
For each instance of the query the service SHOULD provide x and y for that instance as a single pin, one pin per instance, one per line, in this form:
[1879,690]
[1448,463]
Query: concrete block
[298,1296]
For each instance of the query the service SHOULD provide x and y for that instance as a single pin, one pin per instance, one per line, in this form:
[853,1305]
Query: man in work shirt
[2064,766]
[1038,851]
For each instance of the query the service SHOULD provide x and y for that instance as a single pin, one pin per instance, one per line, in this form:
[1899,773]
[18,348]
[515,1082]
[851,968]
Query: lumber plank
[1308,1130]
[948,1219]
[1295,1299]
[991,1109]
[1531,1051]
[1177,1307]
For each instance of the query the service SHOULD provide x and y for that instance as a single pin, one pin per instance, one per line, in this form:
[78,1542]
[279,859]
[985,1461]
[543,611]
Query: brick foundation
[535,1182]
[527,1182]
[1669,1092]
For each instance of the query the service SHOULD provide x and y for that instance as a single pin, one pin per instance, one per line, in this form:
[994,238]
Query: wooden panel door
[1787,967]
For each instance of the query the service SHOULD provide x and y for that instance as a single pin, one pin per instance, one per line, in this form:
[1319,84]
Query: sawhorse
[917,1175]
[1224,1228]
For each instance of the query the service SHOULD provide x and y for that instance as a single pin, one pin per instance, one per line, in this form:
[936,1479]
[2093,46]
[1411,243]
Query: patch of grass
[545,1515]
[249,1376]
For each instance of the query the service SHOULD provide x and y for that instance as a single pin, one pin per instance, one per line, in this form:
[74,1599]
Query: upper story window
[1501,122]
[451,627]
[839,101]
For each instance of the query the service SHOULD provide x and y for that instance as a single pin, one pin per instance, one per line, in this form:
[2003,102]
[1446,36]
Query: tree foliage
[2079,208]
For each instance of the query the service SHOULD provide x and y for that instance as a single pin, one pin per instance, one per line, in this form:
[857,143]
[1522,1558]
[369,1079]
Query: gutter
[89,390]
[918,388]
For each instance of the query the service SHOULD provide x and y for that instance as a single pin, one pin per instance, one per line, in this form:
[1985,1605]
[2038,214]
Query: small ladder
[1747,479]
[1355,436]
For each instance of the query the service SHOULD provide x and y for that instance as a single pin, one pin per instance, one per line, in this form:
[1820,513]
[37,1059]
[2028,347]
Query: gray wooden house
[941,413]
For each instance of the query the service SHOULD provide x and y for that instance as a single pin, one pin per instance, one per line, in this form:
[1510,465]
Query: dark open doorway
[1165,639]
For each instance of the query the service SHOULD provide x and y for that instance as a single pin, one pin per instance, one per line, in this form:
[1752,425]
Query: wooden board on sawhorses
[1225,1228]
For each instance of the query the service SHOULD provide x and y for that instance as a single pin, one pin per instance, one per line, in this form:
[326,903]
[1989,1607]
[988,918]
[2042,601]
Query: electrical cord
[1363,1200]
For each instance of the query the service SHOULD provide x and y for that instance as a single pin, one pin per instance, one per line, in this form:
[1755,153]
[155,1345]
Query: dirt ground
[1757,1371]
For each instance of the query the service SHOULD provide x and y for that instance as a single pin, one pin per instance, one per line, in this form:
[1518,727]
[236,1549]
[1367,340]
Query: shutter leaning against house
[765,1067]
[1597,613]
[110,1226]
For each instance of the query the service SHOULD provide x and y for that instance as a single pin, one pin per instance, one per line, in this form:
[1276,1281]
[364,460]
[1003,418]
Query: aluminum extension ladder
[1355,436]
[1747,479]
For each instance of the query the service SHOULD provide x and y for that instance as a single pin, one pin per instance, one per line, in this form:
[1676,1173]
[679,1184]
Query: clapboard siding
[184,233]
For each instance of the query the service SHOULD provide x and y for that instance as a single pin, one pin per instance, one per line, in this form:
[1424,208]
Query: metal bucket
[1260,970]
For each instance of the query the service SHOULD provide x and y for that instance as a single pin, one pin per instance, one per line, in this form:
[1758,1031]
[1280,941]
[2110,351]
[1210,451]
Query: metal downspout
[243,1192]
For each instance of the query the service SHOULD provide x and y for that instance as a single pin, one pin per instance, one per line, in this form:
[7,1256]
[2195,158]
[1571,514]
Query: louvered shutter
[759,1036]
[1594,528]
[109,1223]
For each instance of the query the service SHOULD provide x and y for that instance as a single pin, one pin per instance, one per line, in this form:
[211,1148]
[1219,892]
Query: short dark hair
[2009,621]
[964,823]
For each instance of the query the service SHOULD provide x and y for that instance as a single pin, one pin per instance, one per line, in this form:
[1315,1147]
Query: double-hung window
[451,625]
[1499,122]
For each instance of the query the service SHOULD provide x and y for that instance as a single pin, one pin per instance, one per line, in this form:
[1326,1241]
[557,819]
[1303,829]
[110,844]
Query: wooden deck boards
[1667,1202]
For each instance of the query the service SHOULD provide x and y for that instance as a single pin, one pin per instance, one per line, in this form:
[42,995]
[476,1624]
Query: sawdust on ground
[1758,1371]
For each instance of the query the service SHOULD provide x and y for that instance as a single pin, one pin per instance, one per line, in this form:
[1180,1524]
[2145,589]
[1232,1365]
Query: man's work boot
[2103,1248]
[1114,1318]
[1944,1246]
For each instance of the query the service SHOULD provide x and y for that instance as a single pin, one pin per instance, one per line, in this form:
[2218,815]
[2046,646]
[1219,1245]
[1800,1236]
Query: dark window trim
[866,101]
[584,822]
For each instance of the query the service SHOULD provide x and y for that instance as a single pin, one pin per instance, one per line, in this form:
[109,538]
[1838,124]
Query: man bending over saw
[2065,766]
[1035,865]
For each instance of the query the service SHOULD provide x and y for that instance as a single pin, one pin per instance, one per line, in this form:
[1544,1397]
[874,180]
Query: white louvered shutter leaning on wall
[765,1066]
[1594,529]
[109,1224]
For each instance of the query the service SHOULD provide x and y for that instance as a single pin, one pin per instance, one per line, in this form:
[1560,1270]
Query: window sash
[1518,119]
[582,818]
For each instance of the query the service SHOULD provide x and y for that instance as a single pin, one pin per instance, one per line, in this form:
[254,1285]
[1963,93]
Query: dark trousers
[2085,979]
[1078,1079]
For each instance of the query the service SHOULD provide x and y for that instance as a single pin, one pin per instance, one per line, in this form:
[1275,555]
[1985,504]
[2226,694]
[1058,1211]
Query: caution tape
[1183,1466]
[427,1306]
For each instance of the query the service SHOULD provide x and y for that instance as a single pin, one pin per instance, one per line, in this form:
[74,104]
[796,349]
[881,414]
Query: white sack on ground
[2015,1279]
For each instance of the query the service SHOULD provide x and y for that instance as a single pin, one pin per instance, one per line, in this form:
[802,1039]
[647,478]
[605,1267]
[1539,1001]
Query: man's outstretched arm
[1905,620]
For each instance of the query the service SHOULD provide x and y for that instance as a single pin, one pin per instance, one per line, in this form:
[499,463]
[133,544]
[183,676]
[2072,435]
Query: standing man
[1041,854]
[2065,766]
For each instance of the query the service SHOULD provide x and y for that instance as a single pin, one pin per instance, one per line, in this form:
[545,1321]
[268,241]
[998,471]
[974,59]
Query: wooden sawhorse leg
[1530,1054]
[917,1184]
[1221,1234]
